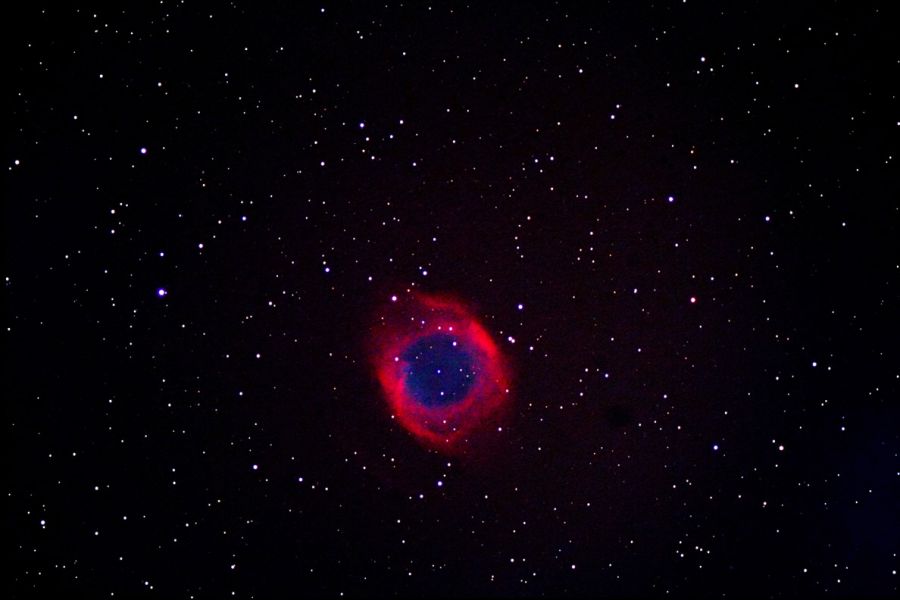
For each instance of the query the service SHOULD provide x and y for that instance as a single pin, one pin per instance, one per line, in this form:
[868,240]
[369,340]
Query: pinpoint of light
[715,447]
[362,125]
[693,300]
[521,307]
[161,292]
[393,298]
[143,151]
[671,199]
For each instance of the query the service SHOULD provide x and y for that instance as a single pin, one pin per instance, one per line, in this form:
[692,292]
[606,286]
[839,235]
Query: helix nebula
[442,375]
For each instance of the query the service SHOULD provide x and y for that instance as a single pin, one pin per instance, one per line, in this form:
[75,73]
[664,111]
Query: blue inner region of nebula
[439,371]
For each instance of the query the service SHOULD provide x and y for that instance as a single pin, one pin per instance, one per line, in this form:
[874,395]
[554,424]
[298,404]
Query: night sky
[677,223]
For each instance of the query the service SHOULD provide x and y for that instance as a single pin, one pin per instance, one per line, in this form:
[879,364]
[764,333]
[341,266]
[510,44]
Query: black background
[655,446]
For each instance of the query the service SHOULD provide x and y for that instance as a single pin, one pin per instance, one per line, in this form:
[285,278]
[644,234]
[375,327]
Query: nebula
[442,375]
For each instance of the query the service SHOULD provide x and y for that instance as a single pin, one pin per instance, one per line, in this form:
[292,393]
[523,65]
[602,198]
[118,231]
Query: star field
[677,221]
